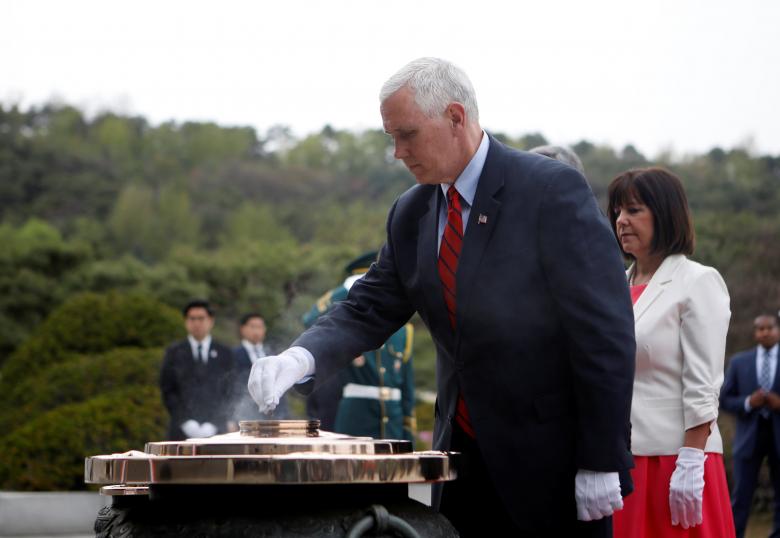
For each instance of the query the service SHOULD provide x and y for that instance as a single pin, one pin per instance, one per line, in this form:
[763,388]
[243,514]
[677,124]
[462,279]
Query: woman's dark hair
[662,192]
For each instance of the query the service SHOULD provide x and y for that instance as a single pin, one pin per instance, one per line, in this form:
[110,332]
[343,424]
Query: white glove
[597,494]
[191,428]
[272,376]
[686,488]
[207,429]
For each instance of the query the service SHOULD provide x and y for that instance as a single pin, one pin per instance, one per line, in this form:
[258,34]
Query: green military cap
[361,264]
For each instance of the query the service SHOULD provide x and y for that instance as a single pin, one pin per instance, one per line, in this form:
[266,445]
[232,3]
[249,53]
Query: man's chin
[424,180]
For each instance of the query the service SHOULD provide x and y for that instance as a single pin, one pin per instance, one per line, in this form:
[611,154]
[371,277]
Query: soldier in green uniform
[377,398]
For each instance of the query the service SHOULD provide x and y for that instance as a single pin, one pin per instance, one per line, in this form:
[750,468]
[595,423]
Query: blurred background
[151,152]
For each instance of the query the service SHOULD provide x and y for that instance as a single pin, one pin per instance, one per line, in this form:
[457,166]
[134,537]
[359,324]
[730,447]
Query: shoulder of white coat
[698,276]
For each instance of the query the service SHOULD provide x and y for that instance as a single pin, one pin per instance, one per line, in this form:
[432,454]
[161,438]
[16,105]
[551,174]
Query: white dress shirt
[205,345]
[466,183]
[255,351]
[760,351]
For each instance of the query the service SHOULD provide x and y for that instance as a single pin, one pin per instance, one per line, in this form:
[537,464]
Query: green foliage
[33,260]
[424,349]
[149,225]
[84,383]
[92,323]
[424,412]
[76,380]
[48,452]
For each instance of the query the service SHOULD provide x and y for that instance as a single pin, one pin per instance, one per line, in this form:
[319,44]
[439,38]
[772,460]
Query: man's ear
[456,114]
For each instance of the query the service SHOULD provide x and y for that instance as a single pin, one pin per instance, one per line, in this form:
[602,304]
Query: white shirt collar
[772,362]
[772,351]
[251,349]
[467,181]
[205,343]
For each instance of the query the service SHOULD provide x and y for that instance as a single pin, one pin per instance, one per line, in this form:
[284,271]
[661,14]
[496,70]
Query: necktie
[449,254]
[765,378]
[200,352]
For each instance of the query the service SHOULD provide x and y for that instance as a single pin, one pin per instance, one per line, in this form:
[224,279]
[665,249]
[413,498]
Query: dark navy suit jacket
[741,381]
[540,273]
[192,390]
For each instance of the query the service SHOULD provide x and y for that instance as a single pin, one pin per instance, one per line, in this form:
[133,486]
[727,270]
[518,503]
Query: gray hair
[436,83]
[559,153]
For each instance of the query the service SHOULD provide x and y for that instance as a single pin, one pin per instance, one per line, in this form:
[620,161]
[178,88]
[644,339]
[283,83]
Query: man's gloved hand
[207,429]
[272,376]
[686,488]
[191,428]
[597,494]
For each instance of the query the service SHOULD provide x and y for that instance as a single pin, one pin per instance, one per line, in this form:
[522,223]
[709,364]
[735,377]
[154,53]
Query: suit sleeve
[374,309]
[169,387]
[704,324]
[732,399]
[586,278]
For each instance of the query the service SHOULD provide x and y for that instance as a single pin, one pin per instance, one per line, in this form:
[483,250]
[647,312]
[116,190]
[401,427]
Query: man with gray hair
[560,153]
[512,267]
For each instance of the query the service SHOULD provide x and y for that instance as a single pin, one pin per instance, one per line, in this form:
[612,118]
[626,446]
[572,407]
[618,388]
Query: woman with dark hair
[681,313]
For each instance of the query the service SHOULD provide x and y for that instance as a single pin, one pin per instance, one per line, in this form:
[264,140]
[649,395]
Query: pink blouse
[636,291]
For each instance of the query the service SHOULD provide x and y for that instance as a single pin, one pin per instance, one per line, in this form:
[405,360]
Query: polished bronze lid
[270,452]
[279,428]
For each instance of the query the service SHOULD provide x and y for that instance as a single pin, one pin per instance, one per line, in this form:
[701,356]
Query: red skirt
[646,512]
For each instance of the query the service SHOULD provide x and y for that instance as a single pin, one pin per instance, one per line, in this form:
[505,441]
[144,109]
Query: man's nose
[400,150]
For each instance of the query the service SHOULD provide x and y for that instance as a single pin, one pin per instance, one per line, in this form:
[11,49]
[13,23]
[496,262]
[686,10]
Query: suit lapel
[482,222]
[657,285]
[427,256]
[776,380]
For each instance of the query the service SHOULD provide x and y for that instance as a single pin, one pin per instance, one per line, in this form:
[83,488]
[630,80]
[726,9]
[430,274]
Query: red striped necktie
[449,254]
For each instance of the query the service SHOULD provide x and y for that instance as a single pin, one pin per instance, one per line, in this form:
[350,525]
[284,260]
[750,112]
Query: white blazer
[681,320]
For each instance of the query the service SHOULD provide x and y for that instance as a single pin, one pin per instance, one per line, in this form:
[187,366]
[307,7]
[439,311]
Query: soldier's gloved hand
[191,428]
[597,494]
[207,429]
[272,376]
[686,487]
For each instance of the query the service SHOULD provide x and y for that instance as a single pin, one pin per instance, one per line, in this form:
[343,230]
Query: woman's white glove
[686,488]
[272,376]
[597,494]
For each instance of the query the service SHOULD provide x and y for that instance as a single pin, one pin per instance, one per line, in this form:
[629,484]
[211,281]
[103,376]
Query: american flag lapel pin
[482,219]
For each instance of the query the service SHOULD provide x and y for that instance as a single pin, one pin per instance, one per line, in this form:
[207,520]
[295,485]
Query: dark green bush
[76,380]
[48,452]
[92,323]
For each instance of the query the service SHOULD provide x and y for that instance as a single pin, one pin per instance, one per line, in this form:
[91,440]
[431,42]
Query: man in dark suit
[508,261]
[195,378]
[751,391]
[252,348]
